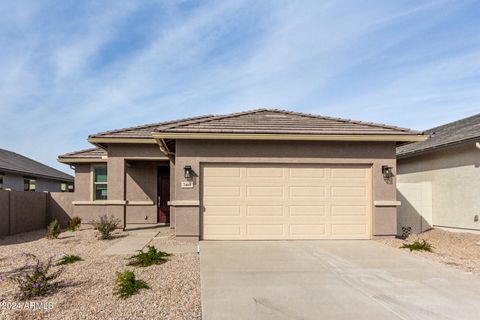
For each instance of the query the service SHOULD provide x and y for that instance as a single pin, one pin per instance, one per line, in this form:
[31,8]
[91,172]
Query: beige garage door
[265,201]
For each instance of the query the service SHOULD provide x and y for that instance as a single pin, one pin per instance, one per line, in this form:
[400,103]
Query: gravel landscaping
[459,250]
[87,292]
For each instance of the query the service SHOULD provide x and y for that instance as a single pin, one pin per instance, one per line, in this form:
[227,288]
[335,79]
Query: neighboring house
[261,174]
[24,174]
[439,179]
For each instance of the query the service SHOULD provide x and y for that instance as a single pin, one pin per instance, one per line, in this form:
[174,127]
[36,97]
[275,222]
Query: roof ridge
[374,124]
[214,117]
[146,126]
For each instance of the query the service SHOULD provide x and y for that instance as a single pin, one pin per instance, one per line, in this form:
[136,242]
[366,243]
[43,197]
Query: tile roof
[143,131]
[448,134]
[87,153]
[14,162]
[268,121]
[258,121]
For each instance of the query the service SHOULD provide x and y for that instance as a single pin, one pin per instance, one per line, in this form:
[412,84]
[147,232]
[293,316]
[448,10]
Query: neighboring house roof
[452,133]
[14,162]
[274,121]
[86,153]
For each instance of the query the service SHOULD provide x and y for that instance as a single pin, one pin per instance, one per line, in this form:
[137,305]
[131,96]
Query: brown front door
[163,195]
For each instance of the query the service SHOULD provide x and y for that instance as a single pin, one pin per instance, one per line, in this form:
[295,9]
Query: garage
[286,201]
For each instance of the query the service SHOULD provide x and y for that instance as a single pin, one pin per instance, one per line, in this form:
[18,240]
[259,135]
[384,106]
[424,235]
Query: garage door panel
[349,211]
[306,230]
[265,211]
[349,229]
[307,191]
[221,210]
[224,191]
[286,202]
[265,191]
[221,172]
[265,172]
[308,210]
[307,173]
[265,230]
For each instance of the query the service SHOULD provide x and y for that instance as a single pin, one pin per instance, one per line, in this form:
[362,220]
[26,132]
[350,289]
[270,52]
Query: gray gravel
[175,285]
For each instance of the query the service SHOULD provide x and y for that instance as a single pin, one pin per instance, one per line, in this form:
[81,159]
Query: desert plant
[53,230]
[68,259]
[106,225]
[418,246]
[74,223]
[127,285]
[36,279]
[150,257]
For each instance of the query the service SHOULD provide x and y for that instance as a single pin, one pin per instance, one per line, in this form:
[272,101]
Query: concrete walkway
[330,280]
[136,240]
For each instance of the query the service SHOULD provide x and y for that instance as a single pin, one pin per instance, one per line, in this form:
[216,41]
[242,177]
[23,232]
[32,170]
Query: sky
[73,68]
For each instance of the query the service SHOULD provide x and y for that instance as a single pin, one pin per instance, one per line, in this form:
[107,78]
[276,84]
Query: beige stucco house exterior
[260,174]
[439,179]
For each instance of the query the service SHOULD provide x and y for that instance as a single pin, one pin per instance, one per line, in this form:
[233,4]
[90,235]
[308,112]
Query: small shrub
[53,230]
[418,246]
[68,259]
[151,257]
[36,279]
[127,285]
[74,224]
[106,225]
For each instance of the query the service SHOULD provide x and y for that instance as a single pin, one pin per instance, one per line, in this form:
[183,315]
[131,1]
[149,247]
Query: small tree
[106,225]
[53,230]
[128,285]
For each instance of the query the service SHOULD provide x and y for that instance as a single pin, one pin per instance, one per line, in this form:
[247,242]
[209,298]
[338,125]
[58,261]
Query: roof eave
[298,137]
[82,159]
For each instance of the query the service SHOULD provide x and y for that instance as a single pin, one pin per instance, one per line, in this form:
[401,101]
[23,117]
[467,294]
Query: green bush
[151,257]
[106,225]
[418,246]
[127,285]
[74,224]
[53,230]
[68,259]
[36,279]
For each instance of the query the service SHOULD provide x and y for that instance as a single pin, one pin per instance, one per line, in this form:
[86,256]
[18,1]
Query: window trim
[94,183]
[30,179]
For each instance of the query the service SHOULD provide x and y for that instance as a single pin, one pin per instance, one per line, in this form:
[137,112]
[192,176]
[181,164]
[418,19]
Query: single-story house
[439,179]
[20,173]
[260,174]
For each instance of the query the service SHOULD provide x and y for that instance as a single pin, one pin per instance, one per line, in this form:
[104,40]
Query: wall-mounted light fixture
[187,171]
[387,172]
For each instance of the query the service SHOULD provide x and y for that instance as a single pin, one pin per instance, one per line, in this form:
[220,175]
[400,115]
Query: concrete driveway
[330,280]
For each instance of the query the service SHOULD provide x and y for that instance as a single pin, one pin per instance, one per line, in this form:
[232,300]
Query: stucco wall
[194,152]
[29,211]
[132,177]
[60,207]
[454,174]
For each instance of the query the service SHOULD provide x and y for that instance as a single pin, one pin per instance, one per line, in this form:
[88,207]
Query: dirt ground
[87,291]
[459,250]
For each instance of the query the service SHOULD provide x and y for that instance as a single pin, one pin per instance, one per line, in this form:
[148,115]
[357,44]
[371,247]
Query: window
[100,182]
[29,184]
[63,187]
[1,181]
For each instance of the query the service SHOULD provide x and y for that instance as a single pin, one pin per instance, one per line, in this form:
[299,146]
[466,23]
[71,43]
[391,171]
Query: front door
[163,195]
